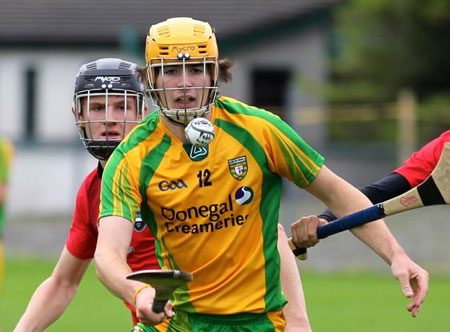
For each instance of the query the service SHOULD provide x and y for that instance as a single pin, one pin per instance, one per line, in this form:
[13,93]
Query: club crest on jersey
[139,224]
[238,167]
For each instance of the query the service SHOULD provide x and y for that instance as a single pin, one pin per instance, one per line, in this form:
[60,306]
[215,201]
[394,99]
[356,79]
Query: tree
[385,46]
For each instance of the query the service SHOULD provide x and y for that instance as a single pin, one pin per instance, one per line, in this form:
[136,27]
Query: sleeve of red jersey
[420,165]
[82,238]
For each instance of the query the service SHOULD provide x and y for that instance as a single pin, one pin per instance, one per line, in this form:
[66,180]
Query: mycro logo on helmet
[111,79]
[183,48]
[172,185]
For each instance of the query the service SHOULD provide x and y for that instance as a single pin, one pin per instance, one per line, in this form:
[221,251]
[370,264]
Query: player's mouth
[111,135]
[185,102]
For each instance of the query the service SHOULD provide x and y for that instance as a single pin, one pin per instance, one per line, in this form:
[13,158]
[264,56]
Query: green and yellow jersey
[6,154]
[213,210]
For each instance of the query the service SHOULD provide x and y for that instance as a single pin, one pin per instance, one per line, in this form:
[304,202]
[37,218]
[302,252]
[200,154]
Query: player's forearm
[110,257]
[377,236]
[50,295]
[112,273]
[295,310]
[342,199]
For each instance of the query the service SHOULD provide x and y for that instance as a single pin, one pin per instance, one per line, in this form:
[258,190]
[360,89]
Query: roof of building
[103,21]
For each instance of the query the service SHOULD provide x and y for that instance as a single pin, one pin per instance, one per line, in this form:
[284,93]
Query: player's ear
[77,113]
[145,110]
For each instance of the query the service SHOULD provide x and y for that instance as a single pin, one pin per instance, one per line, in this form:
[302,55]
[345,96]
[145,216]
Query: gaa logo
[172,185]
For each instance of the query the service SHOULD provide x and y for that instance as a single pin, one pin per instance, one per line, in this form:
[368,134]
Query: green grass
[335,302]
[92,309]
[371,302]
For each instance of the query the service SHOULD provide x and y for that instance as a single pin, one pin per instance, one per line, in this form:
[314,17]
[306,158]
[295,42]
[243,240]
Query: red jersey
[82,238]
[420,165]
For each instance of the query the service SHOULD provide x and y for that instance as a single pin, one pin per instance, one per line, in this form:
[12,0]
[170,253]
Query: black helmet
[106,78]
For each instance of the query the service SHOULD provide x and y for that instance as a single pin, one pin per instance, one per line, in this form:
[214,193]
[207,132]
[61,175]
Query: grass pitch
[335,301]
[92,309]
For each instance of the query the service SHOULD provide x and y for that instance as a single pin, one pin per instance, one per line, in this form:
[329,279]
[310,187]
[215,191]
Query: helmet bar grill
[181,116]
[102,147]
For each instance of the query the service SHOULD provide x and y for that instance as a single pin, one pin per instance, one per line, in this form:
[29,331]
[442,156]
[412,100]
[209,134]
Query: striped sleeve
[291,156]
[119,191]
[287,153]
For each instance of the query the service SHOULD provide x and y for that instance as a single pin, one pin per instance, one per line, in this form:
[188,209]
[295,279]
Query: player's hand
[304,231]
[413,280]
[144,312]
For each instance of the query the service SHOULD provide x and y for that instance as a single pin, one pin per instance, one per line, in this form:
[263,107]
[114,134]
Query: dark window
[30,103]
[269,89]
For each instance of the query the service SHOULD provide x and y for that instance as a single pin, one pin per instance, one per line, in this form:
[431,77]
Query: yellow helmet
[182,41]
[180,35]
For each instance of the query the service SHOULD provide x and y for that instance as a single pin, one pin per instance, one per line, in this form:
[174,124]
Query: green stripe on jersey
[306,165]
[140,133]
[149,165]
[269,210]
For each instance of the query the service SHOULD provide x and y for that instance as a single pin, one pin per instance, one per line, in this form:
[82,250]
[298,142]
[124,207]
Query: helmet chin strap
[176,123]
[101,150]
[172,118]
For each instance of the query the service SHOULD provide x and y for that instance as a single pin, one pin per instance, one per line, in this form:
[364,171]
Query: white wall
[56,71]
[46,177]
[45,180]
[304,55]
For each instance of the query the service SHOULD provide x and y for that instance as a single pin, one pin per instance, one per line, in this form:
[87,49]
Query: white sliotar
[199,132]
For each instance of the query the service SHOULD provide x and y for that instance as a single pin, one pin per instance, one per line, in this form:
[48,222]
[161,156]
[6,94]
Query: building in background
[274,44]
[43,44]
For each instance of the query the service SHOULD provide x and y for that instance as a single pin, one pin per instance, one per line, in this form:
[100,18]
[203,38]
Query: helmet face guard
[108,103]
[182,42]
[208,87]
[88,119]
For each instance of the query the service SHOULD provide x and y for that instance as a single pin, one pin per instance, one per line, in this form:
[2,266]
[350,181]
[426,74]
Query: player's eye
[170,71]
[197,70]
[97,108]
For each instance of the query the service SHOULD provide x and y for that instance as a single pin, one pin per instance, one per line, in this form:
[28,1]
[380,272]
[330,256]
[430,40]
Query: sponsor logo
[238,167]
[244,195]
[408,200]
[196,153]
[208,218]
[139,224]
[172,185]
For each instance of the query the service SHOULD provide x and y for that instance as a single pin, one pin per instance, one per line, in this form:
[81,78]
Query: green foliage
[433,116]
[390,45]
[380,48]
